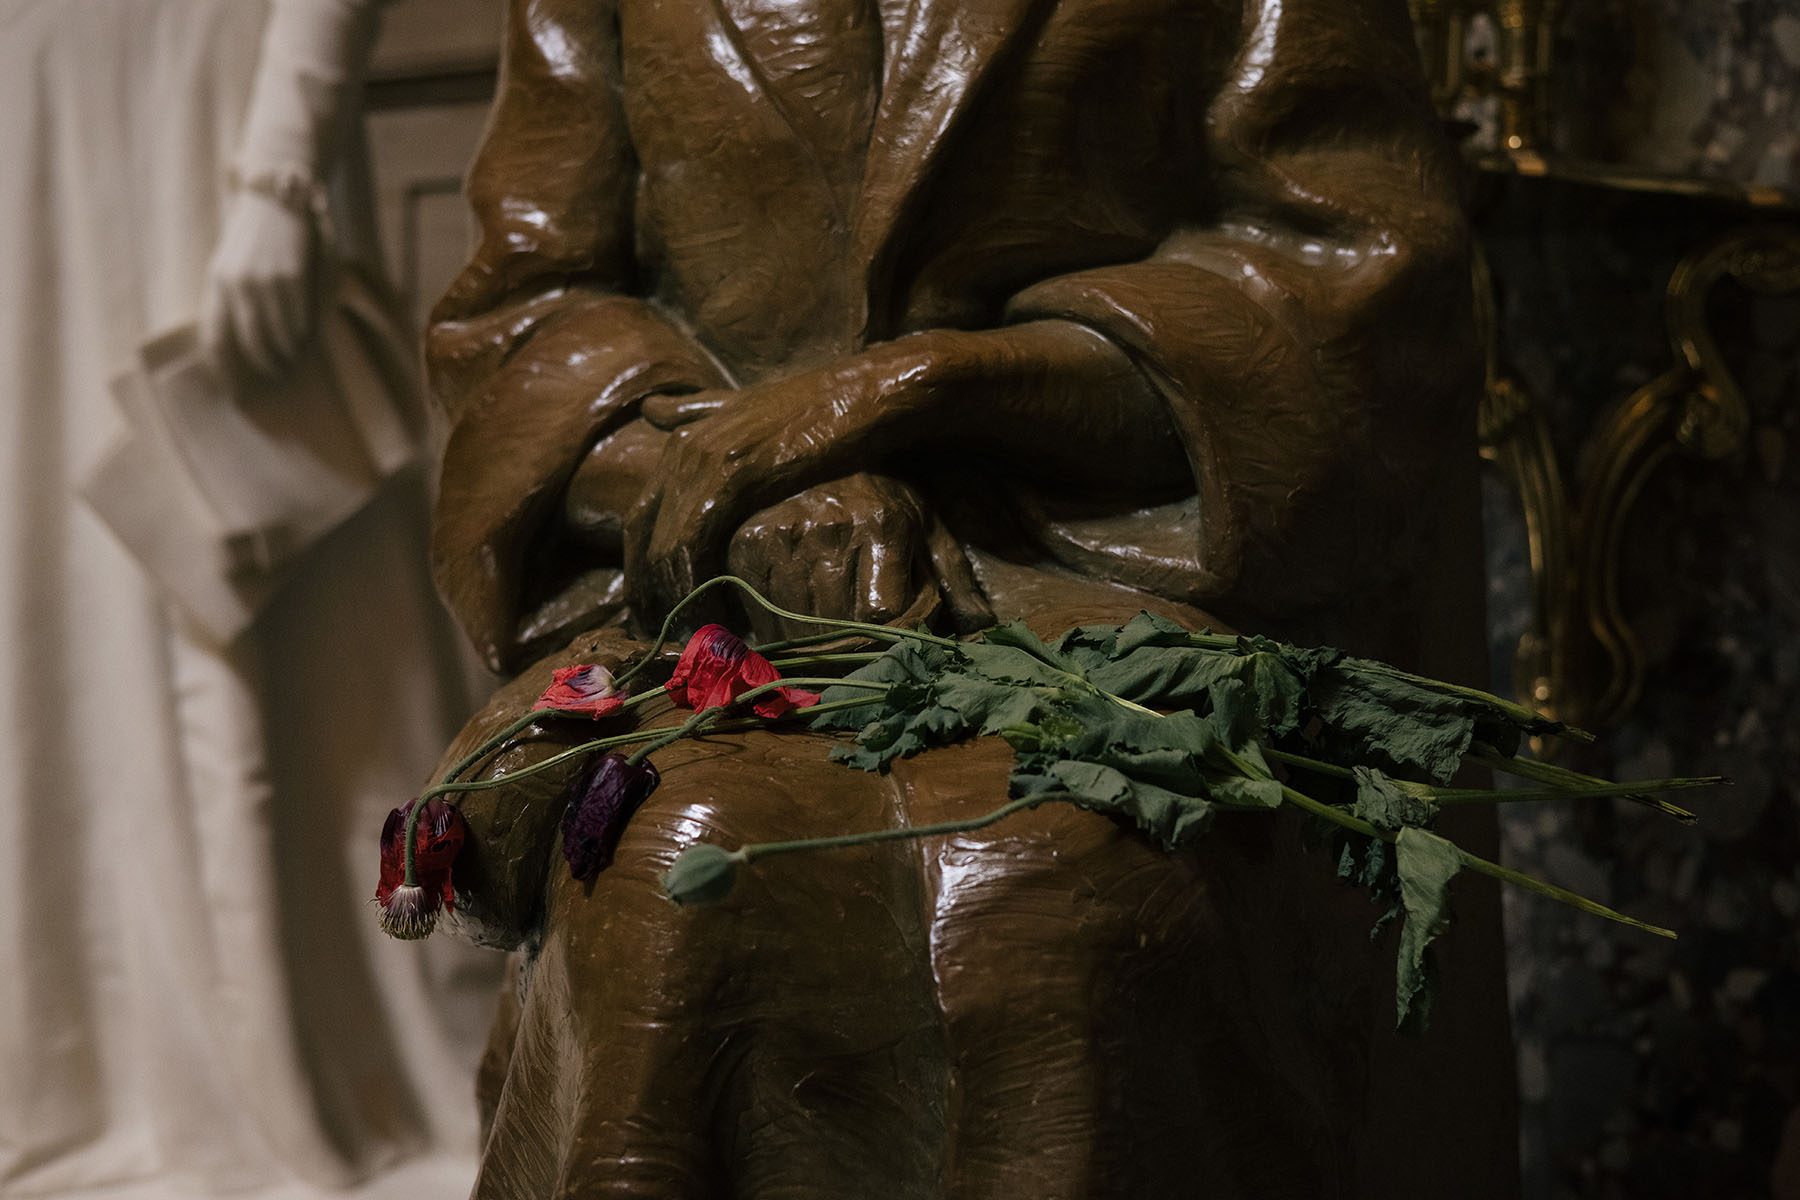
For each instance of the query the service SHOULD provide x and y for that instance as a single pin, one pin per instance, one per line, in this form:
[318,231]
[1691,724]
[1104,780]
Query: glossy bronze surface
[937,310]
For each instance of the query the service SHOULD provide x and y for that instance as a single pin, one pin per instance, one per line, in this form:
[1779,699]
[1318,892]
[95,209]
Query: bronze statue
[936,310]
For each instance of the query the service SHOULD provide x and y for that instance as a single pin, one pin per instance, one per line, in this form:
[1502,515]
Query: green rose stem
[811,639]
[811,660]
[1636,790]
[721,864]
[495,740]
[1543,772]
[656,737]
[1628,791]
[1338,816]
[886,632]
[706,717]
[1082,683]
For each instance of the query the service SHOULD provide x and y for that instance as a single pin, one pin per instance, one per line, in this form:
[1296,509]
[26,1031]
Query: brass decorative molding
[1581,659]
[1529,164]
[1515,71]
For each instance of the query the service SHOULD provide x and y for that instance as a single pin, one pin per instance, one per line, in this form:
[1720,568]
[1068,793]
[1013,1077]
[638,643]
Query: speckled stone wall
[1689,87]
[1652,1069]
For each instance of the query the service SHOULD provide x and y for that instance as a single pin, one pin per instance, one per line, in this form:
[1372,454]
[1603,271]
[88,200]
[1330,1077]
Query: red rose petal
[717,667]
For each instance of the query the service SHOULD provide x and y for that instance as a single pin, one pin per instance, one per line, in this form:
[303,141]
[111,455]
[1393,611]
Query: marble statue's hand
[852,548]
[258,306]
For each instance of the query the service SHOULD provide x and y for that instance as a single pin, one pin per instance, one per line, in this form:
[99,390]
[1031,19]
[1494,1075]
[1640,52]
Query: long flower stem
[1529,768]
[811,639]
[1570,790]
[1083,682]
[1476,863]
[886,632]
[1314,765]
[538,768]
[1575,900]
[656,737]
[525,721]
[1555,776]
[1591,792]
[706,716]
[758,850]
[860,657]
[493,742]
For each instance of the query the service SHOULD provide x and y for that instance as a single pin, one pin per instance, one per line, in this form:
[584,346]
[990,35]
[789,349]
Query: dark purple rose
[602,800]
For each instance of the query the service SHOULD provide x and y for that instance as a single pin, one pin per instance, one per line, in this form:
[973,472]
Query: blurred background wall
[1635,184]
[1636,196]
[427,104]
[1652,1069]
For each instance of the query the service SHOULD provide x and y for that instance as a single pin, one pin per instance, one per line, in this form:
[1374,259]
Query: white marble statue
[195,998]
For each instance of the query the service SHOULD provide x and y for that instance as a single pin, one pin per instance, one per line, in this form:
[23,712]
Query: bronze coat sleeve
[539,347]
[1310,332]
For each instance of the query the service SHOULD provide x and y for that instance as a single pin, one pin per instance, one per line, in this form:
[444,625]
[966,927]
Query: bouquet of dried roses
[1156,724]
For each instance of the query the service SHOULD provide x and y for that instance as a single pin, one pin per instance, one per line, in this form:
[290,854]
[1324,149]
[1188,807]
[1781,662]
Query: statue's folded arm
[1300,326]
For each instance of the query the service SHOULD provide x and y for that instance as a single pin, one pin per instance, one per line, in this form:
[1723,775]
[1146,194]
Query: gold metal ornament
[1582,659]
[1516,72]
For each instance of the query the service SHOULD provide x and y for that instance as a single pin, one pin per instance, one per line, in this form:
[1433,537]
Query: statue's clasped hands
[766,482]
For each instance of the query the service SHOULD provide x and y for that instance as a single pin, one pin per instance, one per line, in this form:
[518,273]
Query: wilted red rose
[412,912]
[717,667]
[581,689]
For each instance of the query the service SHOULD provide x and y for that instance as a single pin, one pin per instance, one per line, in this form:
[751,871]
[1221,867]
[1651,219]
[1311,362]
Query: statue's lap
[1048,1006]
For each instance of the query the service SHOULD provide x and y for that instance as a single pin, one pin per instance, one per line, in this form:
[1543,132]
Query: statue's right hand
[853,548]
[865,548]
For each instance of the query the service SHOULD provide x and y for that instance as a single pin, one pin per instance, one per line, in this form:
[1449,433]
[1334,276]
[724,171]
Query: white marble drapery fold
[194,997]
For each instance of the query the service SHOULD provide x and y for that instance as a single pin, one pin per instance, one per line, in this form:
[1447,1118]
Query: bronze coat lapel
[948,49]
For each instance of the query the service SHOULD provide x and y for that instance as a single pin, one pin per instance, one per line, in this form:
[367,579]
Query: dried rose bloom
[584,688]
[717,667]
[600,803]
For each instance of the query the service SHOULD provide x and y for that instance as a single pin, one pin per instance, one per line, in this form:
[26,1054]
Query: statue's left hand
[711,476]
[258,307]
[739,452]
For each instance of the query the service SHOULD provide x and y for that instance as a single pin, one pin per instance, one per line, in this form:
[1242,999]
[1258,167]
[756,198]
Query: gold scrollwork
[1582,660]
[1516,71]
